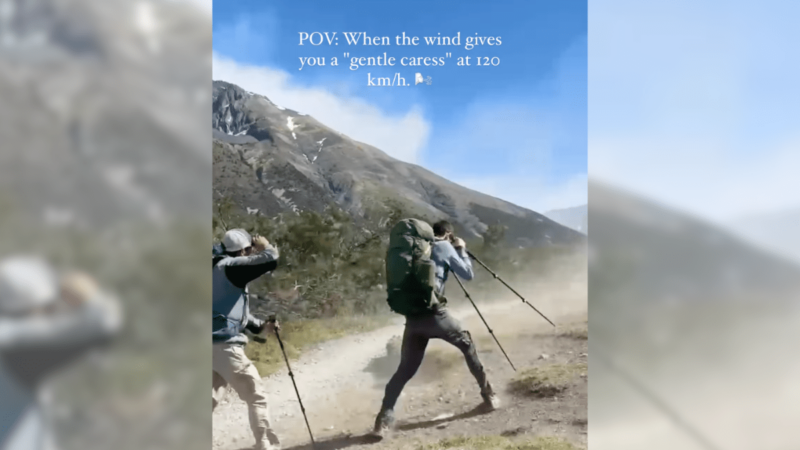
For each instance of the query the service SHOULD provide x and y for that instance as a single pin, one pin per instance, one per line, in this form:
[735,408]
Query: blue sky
[697,104]
[517,130]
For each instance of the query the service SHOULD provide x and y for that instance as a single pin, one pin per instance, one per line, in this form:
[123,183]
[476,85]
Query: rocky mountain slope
[100,114]
[665,255]
[104,167]
[269,160]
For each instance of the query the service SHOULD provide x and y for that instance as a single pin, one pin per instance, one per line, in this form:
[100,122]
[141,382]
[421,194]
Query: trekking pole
[509,287]
[273,319]
[484,321]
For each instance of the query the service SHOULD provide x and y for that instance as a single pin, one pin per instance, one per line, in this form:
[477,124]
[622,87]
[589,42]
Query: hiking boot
[490,401]
[384,422]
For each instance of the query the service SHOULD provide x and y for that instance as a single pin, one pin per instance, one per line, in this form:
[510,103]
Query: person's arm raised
[244,269]
[459,261]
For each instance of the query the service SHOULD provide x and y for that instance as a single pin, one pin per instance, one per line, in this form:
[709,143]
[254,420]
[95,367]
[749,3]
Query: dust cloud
[704,360]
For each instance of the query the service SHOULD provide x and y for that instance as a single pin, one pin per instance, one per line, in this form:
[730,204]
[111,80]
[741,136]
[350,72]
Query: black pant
[418,331]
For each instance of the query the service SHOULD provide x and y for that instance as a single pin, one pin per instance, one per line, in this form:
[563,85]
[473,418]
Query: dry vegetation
[501,443]
[548,380]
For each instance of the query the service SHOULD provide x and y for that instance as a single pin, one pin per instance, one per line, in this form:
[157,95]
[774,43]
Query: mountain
[104,168]
[99,128]
[776,232]
[679,305]
[663,255]
[576,217]
[666,288]
[271,159]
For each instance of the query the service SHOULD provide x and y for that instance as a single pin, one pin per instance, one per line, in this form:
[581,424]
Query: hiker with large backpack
[418,261]
[239,260]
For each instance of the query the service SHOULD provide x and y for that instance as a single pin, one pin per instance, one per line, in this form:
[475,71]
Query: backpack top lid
[407,230]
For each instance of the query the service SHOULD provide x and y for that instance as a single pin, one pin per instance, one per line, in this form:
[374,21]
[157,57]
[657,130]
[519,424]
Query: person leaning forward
[448,254]
[242,260]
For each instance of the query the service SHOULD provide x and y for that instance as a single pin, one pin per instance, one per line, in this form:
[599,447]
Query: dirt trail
[341,382]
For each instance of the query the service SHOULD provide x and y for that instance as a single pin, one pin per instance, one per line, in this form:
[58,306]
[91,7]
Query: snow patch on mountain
[319,150]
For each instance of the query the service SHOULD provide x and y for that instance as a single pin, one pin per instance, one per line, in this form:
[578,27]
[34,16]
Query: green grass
[298,336]
[546,381]
[500,443]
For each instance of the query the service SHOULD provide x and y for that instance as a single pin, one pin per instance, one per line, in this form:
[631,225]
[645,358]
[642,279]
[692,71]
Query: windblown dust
[341,382]
[728,377]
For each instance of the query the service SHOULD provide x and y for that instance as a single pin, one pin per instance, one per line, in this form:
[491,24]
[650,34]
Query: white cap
[26,282]
[236,239]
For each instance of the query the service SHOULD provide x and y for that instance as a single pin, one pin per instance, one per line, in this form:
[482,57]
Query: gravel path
[341,381]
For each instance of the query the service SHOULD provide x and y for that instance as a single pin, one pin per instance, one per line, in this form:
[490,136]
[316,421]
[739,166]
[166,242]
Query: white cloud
[401,137]
[205,5]
[528,148]
[510,151]
[530,193]
[702,177]
[694,104]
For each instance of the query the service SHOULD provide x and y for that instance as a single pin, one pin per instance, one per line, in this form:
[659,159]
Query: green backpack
[410,276]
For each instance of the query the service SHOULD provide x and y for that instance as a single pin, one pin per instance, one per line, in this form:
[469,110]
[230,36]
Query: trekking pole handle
[261,339]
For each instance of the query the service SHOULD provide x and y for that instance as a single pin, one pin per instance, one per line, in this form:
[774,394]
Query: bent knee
[249,387]
[464,341]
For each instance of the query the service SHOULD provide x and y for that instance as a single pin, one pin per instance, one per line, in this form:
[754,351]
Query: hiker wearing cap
[47,321]
[239,260]
[418,262]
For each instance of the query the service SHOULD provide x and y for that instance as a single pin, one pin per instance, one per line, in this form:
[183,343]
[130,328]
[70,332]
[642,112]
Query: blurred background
[694,203]
[105,167]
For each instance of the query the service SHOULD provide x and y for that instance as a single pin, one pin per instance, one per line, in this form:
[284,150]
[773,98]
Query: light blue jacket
[447,258]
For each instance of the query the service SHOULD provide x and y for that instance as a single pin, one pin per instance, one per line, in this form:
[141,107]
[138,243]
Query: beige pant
[232,367]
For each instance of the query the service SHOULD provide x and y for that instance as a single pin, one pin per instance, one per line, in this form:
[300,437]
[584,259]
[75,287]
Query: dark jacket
[230,300]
